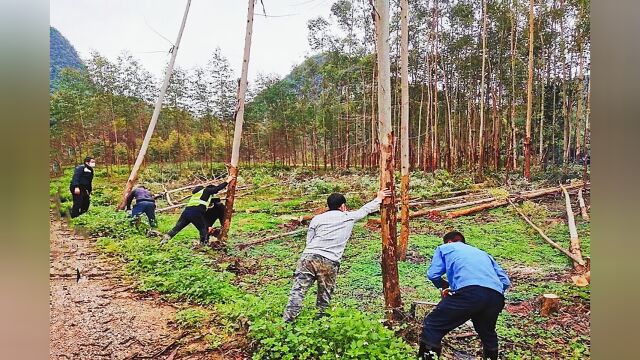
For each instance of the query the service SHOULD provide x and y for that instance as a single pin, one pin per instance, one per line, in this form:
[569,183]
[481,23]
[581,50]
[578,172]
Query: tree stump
[550,303]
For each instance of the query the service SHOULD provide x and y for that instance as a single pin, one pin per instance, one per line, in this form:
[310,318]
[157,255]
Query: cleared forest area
[237,296]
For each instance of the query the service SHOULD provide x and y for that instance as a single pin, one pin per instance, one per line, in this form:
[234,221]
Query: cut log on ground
[549,303]
[269,238]
[545,237]
[583,207]
[574,247]
[582,280]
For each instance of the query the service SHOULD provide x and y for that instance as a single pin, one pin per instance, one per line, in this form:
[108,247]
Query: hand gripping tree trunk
[237,135]
[404,131]
[133,177]
[390,282]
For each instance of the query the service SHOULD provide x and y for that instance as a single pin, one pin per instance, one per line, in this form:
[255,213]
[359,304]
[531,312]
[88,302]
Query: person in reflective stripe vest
[195,210]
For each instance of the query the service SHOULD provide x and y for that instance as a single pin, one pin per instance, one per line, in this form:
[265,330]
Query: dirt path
[101,317]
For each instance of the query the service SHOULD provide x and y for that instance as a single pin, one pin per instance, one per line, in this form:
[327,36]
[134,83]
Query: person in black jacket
[145,203]
[215,212]
[195,211]
[80,186]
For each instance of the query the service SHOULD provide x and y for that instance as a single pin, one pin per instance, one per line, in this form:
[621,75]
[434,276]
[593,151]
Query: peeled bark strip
[583,207]
[404,218]
[390,281]
[574,248]
[133,177]
[546,238]
[550,303]
[269,238]
[239,119]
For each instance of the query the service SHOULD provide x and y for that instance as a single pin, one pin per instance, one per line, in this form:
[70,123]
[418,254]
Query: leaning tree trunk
[404,130]
[390,282]
[527,139]
[237,135]
[156,112]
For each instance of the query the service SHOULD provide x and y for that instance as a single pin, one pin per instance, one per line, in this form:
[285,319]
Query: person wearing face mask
[80,186]
[326,239]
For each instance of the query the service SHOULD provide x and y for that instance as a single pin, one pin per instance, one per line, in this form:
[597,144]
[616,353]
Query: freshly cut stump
[550,304]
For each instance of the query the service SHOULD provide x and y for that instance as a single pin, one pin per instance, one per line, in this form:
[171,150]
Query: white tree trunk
[237,134]
[390,281]
[156,112]
[404,129]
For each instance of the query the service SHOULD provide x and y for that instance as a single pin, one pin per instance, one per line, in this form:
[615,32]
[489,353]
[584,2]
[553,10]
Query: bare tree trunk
[419,148]
[565,115]
[404,130]
[435,145]
[579,110]
[239,119]
[527,140]
[514,140]
[480,173]
[390,281]
[156,112]
[587,128]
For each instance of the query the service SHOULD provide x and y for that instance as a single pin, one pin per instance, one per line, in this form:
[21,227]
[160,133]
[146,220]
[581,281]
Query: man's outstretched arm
[372,206]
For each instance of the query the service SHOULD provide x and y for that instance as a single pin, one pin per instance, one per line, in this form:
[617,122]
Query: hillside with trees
[61,55]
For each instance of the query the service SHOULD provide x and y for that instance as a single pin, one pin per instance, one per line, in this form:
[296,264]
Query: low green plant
[191,318]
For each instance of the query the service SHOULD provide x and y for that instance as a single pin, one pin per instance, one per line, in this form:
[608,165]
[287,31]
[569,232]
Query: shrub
[191,318]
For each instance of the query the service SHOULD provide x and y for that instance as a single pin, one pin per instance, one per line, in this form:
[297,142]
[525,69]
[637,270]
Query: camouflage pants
[311,267]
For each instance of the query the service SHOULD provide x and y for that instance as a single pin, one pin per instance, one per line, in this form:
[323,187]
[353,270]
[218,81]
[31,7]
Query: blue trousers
[479,304]
[148,208]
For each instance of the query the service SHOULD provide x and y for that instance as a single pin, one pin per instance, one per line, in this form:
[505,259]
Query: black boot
[489,354]
[426,352]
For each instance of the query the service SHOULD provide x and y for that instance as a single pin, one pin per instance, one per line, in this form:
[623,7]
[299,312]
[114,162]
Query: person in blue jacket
[80,186]
[474,290]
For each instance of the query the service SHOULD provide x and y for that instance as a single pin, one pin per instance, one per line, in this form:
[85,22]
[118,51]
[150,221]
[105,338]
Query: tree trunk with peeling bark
[239,119]
[404,131]
[390,281]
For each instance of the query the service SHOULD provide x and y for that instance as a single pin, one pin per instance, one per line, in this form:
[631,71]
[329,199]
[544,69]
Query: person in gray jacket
[326,239]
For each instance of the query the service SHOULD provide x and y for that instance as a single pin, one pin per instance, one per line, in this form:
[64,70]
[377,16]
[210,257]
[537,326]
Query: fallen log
[440,209]
[166,194]
[574,247]
[269,238]
[550,303]
[182,204]
[546,238]
[583,208]
[487,204]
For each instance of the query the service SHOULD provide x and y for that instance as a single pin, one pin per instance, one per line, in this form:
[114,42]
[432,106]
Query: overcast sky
[111,26]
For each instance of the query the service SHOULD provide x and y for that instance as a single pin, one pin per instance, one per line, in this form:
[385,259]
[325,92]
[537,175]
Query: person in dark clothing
[215,212]
[80,186]
[476,284]
[195,211]
[145,203]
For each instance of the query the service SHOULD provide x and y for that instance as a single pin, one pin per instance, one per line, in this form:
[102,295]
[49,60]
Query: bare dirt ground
[98,316]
